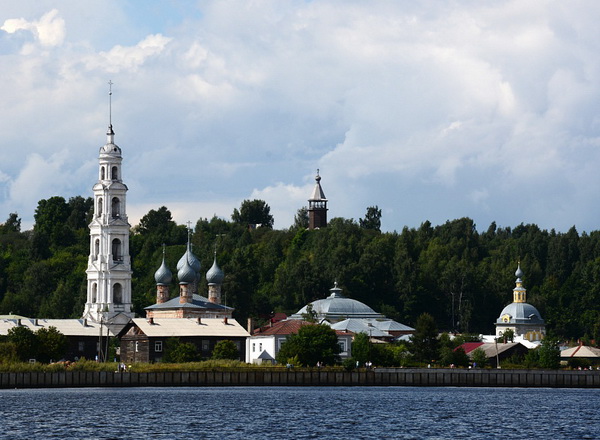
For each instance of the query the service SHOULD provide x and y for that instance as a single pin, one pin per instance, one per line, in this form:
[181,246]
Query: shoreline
[420,377]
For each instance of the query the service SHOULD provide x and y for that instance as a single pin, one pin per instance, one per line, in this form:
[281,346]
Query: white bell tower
[109,263]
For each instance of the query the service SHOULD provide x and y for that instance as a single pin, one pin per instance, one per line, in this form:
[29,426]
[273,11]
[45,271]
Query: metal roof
[175,327]
[355,325]
[68,327]
[198,302]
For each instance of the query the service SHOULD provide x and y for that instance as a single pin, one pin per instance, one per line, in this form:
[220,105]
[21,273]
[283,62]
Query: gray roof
[337,307]
[198,302]
[175,327]
[265,356]
[163,275]
[357,325]
[520,313]
[318,193]
[390,325]
[186,274]
[68,327]
[215,275]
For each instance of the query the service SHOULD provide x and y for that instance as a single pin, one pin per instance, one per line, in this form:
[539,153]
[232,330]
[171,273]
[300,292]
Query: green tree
[549,354]
[479,357]
[313,343]
[361,348]
[301,218]
[310,315]
[372,219]
[225,350]
[12,224]
[254,212]
[8,353]
[178,352]
[25,342]
[508,335]
[424,340]
[52,344]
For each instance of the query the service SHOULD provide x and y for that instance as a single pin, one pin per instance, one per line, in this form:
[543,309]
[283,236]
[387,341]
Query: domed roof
[520,313]
[337,307]
[215,275]
[186,275]
[163,275]
[110,148]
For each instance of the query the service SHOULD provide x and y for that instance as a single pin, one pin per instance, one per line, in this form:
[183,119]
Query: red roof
[291,326]
[468,347]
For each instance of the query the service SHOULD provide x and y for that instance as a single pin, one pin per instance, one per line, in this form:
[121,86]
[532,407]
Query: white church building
[109,263]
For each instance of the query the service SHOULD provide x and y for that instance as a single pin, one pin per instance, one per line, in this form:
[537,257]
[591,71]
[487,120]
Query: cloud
[429,110]
[128,58]
[49,30]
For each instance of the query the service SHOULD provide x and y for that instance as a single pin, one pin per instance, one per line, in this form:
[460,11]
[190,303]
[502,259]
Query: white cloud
[49,29]
[428,110]
[128,58]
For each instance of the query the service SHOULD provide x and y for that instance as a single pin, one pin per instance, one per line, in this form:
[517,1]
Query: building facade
[523,319]
[109,264]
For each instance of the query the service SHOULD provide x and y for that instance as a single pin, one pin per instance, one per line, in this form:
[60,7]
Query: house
[495,352]
[87,339]
[591,354]
[145,340]
[265,342]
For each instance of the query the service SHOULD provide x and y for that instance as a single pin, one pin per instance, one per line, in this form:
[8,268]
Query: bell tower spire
[317,206]
[109,263]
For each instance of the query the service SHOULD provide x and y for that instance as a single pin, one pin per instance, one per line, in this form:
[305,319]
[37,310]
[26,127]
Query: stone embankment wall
[378,377]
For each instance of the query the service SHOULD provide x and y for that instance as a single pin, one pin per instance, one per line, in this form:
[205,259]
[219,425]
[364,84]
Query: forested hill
[400,274]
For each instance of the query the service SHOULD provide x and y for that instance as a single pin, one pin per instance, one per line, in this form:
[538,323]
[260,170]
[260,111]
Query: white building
[109,264]
[523,319]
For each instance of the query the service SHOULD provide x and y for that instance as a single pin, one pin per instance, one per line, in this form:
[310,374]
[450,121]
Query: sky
[430,110]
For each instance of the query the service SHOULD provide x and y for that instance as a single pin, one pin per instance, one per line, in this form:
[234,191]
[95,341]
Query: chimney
[85,322]
[250,325]
[199,319]
[19,322]
[35,322]
[151,320]
[225,320]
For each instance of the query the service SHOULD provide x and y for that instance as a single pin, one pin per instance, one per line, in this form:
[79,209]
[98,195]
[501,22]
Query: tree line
[460,276]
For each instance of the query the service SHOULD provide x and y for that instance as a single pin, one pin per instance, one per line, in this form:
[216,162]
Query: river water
[300,413]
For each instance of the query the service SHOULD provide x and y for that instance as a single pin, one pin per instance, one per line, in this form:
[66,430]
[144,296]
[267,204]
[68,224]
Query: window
[99,213]
[117,294]
[102,173]
[205,345]
[342,344]
[260,347]
[96,248]
[94,292]
[116,250]
[116,207]
[115,173]
[81,346]
[158,346]
[253,347]
[137,346]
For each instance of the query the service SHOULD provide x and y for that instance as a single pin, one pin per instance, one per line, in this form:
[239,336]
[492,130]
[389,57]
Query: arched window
[94,292]
[102,173]
[116,250]
[116,207]
[96,248]
[117,294]
[99,213]
[114,173]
